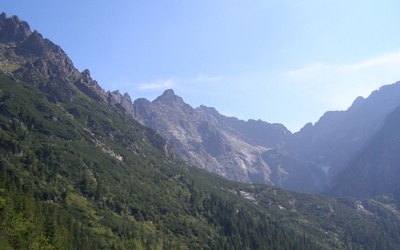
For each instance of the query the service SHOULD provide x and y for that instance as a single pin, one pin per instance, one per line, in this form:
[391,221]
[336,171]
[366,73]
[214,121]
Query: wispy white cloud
[379,61]
[292,97]
[207,78]
[157,85]
[297,96]
[337,85]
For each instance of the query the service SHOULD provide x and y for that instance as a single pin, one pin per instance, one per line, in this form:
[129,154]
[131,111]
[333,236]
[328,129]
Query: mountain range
[82,168]
[342,141]
[320,158]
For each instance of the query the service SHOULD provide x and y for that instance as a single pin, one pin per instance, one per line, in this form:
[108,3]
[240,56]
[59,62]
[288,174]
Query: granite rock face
[226,146]
[351,152]
[122,101]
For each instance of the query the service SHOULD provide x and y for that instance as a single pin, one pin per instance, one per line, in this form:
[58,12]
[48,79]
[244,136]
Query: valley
[82,168]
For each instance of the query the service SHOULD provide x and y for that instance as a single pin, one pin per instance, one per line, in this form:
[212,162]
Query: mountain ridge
[227,146]
[330,145]
[377,160]
[339,136]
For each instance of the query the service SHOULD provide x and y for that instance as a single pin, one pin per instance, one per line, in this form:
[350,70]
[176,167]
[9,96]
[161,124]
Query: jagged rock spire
[12,29]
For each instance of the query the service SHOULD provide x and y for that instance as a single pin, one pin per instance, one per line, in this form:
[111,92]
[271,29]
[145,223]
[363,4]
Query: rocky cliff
[227,146]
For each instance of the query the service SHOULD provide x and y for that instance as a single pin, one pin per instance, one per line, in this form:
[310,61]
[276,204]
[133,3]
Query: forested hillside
[77,176]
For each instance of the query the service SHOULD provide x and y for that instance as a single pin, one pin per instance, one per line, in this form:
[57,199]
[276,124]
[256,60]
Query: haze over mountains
[315,159]
[340,141]
[79,171]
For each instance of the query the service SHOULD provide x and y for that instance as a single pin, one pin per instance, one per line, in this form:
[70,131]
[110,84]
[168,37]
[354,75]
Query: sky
[279,61]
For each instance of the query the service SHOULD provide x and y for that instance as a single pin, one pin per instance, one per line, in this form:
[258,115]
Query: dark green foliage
[80,175]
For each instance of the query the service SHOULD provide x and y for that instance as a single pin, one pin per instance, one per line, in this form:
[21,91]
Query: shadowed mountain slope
[375,169]
[339,135]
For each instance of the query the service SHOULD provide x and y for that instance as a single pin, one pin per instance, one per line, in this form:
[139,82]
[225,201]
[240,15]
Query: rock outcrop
[227,146]
[122,101]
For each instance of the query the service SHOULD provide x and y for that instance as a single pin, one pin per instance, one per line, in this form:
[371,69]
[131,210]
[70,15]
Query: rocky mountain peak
[34,45]
[358,102]
[169,102]
[127,97]
[124,101]
[12,29]
[210,110]
[114,97]
[169,98]
[127,105]
[90,87]
[86,75]
[223,145]
[169,92]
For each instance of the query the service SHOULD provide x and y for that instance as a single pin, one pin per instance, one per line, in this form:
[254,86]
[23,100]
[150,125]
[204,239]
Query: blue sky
[274,60]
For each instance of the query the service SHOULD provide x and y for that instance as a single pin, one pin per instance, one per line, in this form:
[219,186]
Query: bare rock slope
[227,146]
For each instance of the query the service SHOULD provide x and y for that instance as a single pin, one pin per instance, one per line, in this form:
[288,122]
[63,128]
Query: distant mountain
[260,152]
[77,172]
[227,146]
[375,169]
[339,137]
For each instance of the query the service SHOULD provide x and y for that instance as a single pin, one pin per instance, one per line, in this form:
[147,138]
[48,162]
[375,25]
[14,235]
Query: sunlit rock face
[227,146]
